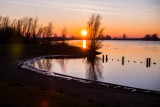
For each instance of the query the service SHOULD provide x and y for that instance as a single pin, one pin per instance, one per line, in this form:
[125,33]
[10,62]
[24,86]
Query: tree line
[148,37]
[26,29]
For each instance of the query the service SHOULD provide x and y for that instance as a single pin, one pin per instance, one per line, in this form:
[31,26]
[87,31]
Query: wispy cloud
[147,10]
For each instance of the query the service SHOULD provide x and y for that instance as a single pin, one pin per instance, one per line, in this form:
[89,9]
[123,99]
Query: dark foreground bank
[20,87]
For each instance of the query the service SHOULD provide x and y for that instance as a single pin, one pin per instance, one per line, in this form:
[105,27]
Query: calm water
[133,71]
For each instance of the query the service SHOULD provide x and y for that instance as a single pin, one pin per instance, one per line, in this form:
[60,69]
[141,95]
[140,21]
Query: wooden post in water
[103,58]
[106,58]
[122,60]
[147,62]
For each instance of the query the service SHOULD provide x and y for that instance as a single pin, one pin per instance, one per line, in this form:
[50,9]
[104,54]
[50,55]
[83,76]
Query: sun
[84,32]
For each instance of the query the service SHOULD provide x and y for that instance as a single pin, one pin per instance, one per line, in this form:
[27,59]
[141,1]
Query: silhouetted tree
[34,27]
[5,22]
[0,22]
[101,36]
[108,37]
[155,37]
[49,29]
[19,27]
[94,29]
[40,32]
[64,33]
[25,24]
[55,35]
[124,37]
[29,25]
[14,24]
[147,37]
[25,29]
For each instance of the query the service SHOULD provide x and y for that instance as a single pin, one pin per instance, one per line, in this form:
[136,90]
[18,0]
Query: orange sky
[135,18]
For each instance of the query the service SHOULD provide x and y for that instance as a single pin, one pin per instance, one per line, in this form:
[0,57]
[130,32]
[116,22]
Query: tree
[25,21]
[94,29]
[64,33]
[5,22]
[49,29]
[19,27]
[124,37]
[29,23]
[147,37]
[55,35]
[0,22]
[108,37]
[34,27]
[154,37]
[40,32]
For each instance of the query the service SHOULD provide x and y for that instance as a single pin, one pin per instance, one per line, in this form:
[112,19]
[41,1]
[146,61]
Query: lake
[129,63]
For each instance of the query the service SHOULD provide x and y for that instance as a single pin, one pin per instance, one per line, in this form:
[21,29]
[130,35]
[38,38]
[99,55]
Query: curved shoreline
[27,65]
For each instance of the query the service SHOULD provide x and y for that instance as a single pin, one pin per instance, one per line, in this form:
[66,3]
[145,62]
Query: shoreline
[27,65]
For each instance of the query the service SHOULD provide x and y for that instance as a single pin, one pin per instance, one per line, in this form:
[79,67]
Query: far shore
[22,87]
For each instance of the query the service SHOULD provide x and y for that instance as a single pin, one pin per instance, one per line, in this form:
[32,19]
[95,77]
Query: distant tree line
[148,37]
[25,29]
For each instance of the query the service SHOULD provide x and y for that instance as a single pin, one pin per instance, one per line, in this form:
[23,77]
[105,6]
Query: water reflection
[124,61]
[84,43]
[62,63]
[94,68]
[43,64]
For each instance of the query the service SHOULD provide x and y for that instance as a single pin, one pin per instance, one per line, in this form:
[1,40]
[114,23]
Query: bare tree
[5,22]
[25,20]
[14,24]
[40,31]
[64,33]
[94,29]
[26,27]
[49,29]
[29,23]
[1,22]
[34,27]
[44,32]
[19,27]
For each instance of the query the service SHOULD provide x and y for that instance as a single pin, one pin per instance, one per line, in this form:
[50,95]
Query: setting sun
[84,32]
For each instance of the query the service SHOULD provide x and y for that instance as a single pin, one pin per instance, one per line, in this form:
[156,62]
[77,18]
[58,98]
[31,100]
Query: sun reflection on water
[84,43]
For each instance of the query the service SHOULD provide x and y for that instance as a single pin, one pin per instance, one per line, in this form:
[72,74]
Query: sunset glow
[84,33]
[135,18]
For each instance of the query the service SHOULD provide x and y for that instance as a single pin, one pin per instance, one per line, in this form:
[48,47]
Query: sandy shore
[22,87]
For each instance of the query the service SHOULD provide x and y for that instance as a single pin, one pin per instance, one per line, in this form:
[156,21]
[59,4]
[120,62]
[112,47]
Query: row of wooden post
[148,60]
